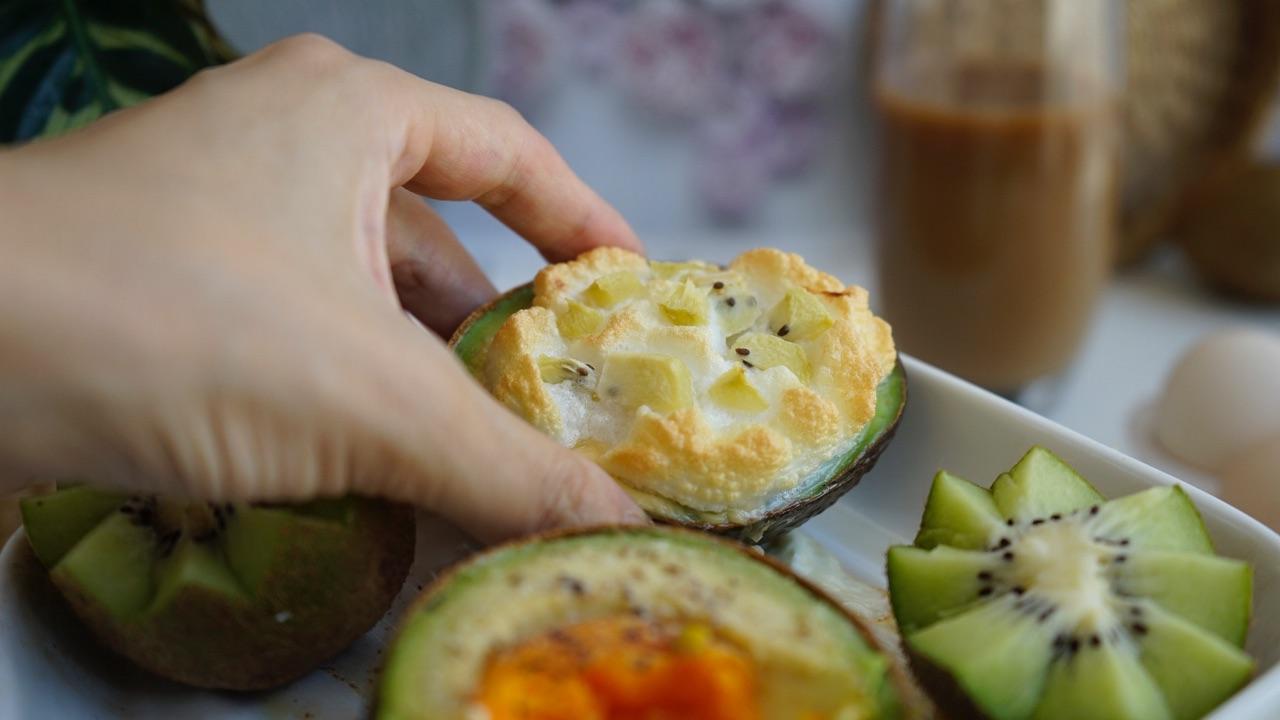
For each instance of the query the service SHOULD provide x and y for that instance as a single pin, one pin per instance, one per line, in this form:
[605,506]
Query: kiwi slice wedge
[1040,600]
[231,596]
[667,387]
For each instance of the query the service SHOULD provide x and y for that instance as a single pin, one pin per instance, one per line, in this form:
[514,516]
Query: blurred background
[647,100]
[719,125]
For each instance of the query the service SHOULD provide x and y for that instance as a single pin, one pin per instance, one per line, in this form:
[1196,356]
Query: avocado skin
[471,340]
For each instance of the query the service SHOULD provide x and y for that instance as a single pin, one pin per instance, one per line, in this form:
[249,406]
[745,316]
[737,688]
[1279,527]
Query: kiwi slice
[800,315]
[614,288]
[958,513]
[231,596]
[734,391]
[1040,600]
[685,305]
[636,379]
[579,320]
[555,370]
[765,351]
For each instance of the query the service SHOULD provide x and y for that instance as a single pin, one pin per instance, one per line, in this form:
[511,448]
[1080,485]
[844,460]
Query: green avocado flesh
[473,339]
[810,655]
[225,596]
[1041,600]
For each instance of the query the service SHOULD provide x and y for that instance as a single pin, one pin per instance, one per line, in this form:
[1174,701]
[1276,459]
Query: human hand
[198,295]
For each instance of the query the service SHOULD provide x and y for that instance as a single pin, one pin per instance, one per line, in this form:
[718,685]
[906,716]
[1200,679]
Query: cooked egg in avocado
[631,623]
[740,399]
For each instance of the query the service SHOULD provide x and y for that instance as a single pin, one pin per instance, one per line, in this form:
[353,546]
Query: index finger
[459,146]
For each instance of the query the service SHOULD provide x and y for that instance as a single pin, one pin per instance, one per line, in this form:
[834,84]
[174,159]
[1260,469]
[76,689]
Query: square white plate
[48,668]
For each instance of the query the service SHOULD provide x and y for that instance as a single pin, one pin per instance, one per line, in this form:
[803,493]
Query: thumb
[532,484]
[468,458]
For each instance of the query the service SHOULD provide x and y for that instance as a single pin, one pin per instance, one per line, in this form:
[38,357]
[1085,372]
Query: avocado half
[230,596]
[632,622]
[817,493]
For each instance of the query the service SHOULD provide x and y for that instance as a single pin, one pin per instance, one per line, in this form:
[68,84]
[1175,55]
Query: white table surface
[1145,320]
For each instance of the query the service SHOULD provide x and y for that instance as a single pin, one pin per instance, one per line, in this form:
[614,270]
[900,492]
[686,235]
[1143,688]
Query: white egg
[1251,482]
[1222,398]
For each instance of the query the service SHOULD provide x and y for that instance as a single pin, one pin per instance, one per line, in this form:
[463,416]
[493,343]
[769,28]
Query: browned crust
[897,673]
[795,514]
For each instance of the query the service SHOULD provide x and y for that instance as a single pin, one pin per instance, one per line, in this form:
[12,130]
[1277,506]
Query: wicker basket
[1201,78]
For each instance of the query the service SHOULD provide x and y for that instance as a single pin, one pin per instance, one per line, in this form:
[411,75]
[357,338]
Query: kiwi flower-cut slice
[1041,600]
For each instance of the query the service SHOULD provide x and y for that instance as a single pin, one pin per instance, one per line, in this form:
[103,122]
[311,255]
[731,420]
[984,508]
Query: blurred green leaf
[65,63]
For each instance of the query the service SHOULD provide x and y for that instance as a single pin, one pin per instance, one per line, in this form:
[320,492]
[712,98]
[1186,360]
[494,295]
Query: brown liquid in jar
[996,219]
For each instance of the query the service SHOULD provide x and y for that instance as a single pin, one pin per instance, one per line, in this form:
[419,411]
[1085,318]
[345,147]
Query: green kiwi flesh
[958,513]
[1065,605]
[230,596]
[816,493]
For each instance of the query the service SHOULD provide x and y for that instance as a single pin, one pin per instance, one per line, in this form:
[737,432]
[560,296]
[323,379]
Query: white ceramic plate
[48,669]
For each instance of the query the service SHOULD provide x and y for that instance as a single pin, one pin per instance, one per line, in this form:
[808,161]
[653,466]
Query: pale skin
[205,295]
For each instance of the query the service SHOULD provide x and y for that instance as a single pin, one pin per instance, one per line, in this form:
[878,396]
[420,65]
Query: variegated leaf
[64,63]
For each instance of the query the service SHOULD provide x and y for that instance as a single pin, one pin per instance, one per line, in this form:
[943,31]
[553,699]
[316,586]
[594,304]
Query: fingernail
[635,516]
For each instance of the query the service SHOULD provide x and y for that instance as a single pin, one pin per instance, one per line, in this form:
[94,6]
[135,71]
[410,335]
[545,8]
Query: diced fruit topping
[738,310]
[1040,600]
[613,288]
[733,391]
[579,320]
[635,379]
[799,315]
[764,351]
[1040,483]
[686,305]
[559,369]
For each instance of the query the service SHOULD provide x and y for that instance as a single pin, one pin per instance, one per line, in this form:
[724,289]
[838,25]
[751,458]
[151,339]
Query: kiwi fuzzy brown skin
[429,597]
[779,520]
[944,690]
[200,638]
[1233,237]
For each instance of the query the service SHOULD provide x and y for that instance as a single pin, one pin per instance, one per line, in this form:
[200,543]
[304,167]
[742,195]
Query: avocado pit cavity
[622,667]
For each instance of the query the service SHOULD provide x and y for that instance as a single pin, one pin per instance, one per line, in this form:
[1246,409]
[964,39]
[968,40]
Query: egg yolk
[621,668]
